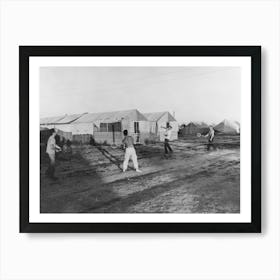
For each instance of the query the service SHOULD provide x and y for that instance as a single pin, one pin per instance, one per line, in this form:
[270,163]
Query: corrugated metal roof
[69,118]
[153,117]
[51,120]
[116,116]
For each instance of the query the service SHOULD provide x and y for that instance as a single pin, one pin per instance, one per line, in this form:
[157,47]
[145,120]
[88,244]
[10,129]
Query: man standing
[51,149]
[211,136]
[130,152]
[167,137]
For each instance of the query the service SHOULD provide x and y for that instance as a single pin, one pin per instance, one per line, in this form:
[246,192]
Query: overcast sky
[208,94]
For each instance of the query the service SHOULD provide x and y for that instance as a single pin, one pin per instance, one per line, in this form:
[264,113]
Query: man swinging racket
[210,135]
[130,152]
[167,137]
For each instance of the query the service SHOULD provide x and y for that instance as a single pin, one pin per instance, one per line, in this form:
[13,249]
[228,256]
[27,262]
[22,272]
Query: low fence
[82,138]
[109,138]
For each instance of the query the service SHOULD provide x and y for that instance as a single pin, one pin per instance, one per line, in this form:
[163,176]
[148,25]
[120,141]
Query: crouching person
[51,149]
[130,152]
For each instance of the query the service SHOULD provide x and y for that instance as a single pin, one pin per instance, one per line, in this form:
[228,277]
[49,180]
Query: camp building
[108,127]
[157,123]
[193,128]
[62,124]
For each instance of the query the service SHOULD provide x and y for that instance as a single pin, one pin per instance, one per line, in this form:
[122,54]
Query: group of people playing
[128,145]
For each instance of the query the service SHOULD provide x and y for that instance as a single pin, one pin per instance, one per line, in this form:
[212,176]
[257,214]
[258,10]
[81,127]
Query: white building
[157,123]
[108,127]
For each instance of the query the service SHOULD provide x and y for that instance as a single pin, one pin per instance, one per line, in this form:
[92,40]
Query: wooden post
[113,130]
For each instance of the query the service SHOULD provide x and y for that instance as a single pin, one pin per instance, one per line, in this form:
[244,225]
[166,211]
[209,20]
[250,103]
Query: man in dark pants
[51,149]
[167,137]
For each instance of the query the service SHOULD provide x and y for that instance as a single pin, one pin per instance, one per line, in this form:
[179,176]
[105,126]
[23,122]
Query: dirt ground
[196,178]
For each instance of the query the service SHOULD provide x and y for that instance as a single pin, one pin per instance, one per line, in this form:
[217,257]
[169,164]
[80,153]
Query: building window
[103,127]
[116,127]
[136,127]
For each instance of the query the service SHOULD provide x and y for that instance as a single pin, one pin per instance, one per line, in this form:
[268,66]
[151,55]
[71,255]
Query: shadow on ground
[194,179]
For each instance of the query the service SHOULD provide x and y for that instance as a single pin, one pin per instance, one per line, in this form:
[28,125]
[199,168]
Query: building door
[156,129]
[137,132]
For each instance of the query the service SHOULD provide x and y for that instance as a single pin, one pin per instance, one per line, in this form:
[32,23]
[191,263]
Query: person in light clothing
[210,134]
[167,137]
[51,149]
[130,152]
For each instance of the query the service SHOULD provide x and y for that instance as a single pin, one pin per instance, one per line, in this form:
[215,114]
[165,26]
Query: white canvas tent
[50,122]
[65,124]
[228,127]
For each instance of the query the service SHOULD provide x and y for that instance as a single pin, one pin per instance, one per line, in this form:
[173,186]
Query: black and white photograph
[128,136]
[140,139]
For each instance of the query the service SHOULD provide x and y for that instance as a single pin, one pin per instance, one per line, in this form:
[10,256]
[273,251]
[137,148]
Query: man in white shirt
[167,137]
[51,149]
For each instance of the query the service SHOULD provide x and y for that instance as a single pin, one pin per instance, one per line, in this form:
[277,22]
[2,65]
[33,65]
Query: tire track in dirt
[150,191]
[91,190]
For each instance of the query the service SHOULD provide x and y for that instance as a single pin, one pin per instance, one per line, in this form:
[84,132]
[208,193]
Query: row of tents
[108,126]
[224,127]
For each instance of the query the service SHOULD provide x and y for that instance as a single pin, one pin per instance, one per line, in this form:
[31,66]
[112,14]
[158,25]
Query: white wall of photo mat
[139,256]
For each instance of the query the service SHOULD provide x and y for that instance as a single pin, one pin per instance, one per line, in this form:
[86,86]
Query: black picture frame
[25,52]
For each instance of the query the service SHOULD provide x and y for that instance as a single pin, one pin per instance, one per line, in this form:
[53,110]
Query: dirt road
[195,179]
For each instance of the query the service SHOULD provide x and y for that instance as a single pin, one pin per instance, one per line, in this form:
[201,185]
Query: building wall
[157,132]
[101,137]
[107,137]
[82,128]
[174,131]
[153,128]
[143,129]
